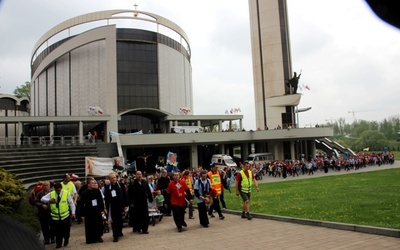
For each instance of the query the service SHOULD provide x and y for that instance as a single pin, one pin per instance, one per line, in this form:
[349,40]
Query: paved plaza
[237,233]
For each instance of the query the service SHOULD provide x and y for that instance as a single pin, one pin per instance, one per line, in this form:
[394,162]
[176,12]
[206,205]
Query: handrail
[46,140]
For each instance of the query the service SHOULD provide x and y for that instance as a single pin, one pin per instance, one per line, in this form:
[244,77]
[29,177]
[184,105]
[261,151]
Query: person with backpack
[44,214]
[34,193]
[202,190]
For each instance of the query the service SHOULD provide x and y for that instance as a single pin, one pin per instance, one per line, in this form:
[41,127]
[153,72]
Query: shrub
[12,204]
[11,192]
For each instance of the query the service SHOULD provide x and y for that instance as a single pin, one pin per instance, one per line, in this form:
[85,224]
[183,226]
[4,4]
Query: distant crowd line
[324,164]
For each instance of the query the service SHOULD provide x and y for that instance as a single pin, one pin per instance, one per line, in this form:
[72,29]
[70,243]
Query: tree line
[363,134]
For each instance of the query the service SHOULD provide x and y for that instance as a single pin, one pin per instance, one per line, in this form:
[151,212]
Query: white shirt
[47,197]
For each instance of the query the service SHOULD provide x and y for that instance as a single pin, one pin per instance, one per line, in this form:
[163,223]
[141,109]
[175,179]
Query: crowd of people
[117,199]
[322,163]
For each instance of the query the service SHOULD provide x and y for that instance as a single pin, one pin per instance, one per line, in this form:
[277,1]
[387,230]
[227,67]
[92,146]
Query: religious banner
[98,166]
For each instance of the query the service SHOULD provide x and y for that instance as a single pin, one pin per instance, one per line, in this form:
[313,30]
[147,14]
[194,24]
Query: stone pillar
[51,128]
[313,148]
[292,150]
[245,151]
[170,125]
[81,136]
[19,131]
[194,157]
[221,148]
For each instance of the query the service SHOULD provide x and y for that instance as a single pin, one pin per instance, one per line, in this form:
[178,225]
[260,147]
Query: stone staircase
[46,162]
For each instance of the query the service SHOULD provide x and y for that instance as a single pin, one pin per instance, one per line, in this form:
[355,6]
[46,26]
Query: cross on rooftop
[135,14]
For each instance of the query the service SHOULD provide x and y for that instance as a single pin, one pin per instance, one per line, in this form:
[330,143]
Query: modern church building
[100,60]
[127,71]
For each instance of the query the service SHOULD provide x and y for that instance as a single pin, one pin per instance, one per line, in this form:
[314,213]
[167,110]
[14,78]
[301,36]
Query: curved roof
[106,15]
[18,100]
[151,111]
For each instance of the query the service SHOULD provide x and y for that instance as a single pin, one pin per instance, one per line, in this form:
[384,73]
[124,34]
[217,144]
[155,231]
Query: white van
[261,158]
[224,160]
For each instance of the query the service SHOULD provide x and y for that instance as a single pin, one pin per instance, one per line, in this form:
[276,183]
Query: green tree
[358,127]
[343,142]
[374,125]
[24,90]
[340,124]
[373,139]
[388,127]
[397,128]
[347,129]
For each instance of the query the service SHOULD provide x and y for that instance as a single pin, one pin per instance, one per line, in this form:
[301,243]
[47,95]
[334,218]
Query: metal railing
[46,140]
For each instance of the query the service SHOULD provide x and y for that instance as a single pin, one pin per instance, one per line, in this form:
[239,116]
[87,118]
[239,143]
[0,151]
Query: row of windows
[137,79]
[143,37]
[139,46]
[136,54]
[126,91]
[137,67]
[137,75]
[135,34]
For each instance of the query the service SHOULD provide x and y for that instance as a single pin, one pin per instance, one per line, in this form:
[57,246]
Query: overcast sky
[349,58]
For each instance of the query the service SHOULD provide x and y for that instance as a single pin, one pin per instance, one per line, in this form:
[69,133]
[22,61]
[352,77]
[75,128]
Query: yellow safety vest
[216,182]
[69,187]
[62,211]
[246,181]
[189,183]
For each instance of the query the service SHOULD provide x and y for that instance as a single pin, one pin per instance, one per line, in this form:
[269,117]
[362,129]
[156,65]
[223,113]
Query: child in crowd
[160,201]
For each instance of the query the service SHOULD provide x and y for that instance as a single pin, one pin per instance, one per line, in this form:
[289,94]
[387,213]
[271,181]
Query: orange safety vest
[216,182]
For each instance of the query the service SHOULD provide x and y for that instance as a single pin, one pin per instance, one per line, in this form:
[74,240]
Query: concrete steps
[50,162]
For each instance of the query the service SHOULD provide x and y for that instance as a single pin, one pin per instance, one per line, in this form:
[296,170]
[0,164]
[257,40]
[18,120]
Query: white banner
[98,166]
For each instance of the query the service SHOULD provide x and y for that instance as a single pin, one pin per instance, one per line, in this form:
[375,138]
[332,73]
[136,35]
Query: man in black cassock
[116,205]
[162,185]
[92,206]
[138,194]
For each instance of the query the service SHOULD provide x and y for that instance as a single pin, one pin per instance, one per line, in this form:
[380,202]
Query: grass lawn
[368,198]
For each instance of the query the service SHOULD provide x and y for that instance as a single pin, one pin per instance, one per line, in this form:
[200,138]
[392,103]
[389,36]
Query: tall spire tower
[274,98]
